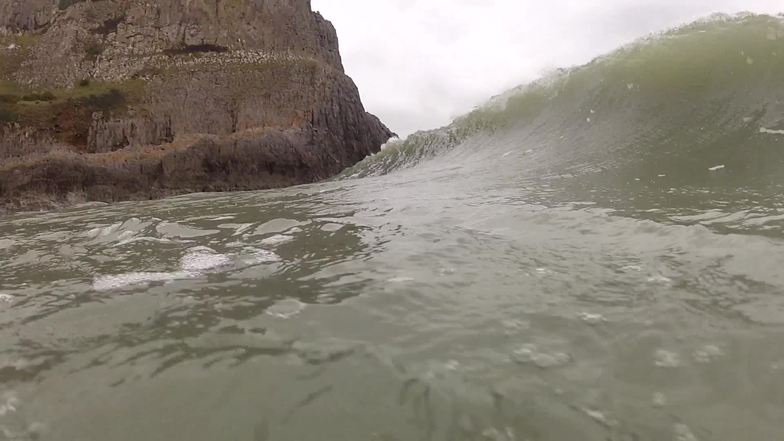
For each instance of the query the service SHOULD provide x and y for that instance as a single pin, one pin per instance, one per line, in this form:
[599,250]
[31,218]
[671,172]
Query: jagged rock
[108,135]
[25,15]
[142,99]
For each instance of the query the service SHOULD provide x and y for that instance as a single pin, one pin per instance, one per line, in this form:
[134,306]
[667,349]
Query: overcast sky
[420,63]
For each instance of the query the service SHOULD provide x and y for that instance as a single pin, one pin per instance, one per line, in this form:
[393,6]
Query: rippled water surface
[388,308]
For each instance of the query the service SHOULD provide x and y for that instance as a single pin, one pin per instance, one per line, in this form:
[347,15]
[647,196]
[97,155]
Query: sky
[421,63]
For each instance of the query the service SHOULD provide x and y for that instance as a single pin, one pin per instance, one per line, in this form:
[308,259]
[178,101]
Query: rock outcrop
[108,100]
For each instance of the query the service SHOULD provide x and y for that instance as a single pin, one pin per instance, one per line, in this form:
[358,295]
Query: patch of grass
[11,59]
[43,96]
[8,88]
[93,50]
[7,115]
[23,40]
[67,113]
[132,89]
[65,4]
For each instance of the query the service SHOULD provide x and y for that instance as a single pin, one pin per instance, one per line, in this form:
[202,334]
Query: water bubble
[512,327]
[10,403]
[256,256]
[286,309]
[493,434]
[659,400]
[592,319]
[684,433]
[530,354]
[452,365]
[708,354]
[667,359]
[544,272]
[599,417]
[659,279]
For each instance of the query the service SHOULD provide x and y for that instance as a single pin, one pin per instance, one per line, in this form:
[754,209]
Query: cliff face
[130,99]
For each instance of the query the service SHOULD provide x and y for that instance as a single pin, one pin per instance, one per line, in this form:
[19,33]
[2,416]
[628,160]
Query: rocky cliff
[107,100]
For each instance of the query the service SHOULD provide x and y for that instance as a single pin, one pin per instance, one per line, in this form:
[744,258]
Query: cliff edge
[109,100]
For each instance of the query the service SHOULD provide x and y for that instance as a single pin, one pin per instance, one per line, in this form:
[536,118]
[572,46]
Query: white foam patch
[144,239]
[194,263]
[684,433]
[400,280]
[6,298]
[600,417]
[103,231]
[452,365]
[667,359]
[276,226]
[530,354]
[717,168]
[515,325]
[278,239]
[659,280]
[659,400]
[10,404]
[177,231]
[592,319]
[203,259]
[708,354]
[771,131]
[286,309]
[108,283]
[242,228]
[256,257]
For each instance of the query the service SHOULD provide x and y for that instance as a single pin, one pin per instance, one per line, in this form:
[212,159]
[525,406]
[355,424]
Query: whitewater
[594,256]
